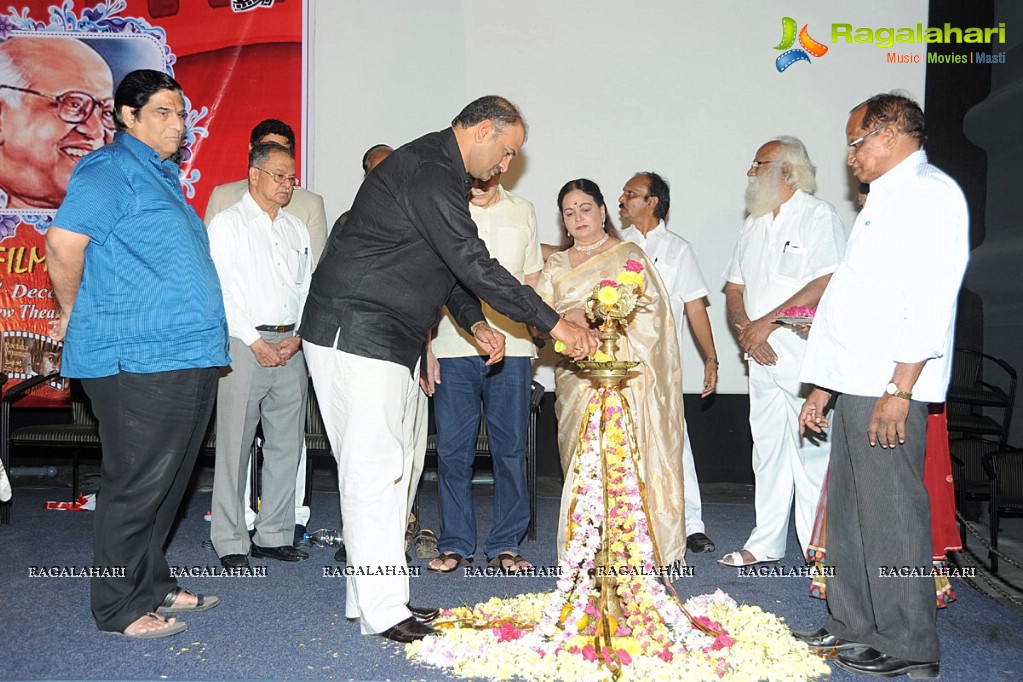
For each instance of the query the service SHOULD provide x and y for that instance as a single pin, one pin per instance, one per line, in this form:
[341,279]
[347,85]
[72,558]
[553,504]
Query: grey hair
[261,151]
[11,74]
[802,173]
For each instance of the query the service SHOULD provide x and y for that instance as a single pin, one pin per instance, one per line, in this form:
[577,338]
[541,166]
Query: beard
[764,192]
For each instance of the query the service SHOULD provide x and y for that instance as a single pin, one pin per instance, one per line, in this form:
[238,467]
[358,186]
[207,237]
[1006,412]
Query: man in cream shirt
[507,225]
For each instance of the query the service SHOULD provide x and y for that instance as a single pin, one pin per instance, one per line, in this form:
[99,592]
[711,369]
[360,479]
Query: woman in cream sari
[654,389]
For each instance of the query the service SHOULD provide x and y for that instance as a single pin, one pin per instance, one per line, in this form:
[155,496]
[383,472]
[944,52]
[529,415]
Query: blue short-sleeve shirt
[150,299]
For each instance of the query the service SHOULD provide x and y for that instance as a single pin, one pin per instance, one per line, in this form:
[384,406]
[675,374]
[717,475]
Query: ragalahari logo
[788,37]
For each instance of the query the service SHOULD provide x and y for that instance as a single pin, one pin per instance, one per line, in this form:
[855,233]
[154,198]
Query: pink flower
[589,653]
[633,266]
[608,283]
[665,654]
[507,632]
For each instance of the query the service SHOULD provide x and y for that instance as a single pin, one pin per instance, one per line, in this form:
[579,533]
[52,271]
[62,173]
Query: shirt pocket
[507,243]
[792,262]
[297,263]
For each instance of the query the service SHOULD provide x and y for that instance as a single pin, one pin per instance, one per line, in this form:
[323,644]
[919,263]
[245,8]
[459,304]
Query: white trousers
[786,467]
[369,409]
[691,485]
[419,436]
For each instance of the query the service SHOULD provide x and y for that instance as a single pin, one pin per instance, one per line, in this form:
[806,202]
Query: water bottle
[326,538]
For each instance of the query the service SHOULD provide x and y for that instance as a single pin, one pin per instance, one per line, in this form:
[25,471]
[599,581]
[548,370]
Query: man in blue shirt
[142,317]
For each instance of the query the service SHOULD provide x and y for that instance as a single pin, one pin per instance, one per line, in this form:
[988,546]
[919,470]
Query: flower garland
[609,616]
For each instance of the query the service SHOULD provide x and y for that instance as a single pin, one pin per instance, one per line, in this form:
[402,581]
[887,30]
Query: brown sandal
[516,560]
[460,562]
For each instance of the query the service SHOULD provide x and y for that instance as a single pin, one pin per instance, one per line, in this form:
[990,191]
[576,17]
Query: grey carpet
[289,625]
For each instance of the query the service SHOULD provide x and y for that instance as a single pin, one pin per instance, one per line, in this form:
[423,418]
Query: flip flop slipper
[516,559]
[737,561]
[202,603]
[426,544]
[460,561]
[172,629]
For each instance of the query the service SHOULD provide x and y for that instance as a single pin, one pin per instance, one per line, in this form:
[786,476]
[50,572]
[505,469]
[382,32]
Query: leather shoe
[888,666]
[824,640]
[408,630]
[341,554]
[282,553]
[866,656]
[234,561]
[424,614]
[700,543]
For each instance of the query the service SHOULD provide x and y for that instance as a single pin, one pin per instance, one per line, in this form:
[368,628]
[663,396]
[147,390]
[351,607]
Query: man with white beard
[788,247]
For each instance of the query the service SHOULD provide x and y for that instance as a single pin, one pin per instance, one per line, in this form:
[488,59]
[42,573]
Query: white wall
[687,89]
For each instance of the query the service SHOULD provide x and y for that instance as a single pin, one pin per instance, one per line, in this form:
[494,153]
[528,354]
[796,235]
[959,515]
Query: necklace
[588,250]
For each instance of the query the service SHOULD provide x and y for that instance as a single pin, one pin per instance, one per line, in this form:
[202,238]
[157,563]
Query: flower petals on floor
[495,640]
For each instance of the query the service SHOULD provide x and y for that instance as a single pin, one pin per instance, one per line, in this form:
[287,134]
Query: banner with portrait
[238,62]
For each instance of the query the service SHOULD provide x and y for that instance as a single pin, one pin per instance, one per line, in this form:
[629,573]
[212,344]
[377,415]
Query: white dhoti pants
[369,409]
[786,466]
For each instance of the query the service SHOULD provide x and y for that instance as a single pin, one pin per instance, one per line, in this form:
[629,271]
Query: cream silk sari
[653,389]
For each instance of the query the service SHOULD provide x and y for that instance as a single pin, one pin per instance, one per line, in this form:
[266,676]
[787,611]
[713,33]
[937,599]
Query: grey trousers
[878,524]
[247,394]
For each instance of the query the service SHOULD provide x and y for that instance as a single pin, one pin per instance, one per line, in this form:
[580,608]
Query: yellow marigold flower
[629,278]
[607,295]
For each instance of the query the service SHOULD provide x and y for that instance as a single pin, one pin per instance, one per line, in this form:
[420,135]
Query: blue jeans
[504,389]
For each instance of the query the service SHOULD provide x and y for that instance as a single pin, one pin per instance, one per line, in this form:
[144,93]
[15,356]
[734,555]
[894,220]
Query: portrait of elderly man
[56,106]
[787,249]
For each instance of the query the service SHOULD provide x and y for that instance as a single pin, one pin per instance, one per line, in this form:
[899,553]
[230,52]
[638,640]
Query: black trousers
[879,536]
[151,427]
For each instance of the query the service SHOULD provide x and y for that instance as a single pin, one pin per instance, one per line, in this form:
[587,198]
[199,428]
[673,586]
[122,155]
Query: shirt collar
[797,199]
[659,228]
[898,172]
[142,151]
[251,210]
[449,145]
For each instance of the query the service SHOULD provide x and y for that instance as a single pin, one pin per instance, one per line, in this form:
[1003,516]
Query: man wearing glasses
[304,205]
[307,207]
[56,106]
[882,343]
[265,264]
[787,249]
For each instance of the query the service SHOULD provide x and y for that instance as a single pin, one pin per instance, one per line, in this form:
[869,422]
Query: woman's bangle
[710,360]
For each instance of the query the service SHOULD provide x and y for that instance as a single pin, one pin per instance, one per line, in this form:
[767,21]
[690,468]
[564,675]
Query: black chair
[82,434]
[483,475]
[1004,468]
[316,443]
[981,395]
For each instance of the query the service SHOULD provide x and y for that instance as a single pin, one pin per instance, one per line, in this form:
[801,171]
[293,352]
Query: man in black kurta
[409,247]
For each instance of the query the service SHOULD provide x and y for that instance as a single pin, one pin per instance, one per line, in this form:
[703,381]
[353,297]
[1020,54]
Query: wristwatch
[893,389]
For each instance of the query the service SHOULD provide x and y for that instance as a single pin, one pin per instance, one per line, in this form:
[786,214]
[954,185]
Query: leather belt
[279,328]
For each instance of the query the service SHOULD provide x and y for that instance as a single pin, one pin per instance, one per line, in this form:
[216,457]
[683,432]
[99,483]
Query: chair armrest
[27,385]
[535,397]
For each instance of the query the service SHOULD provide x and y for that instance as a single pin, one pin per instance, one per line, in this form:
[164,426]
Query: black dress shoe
[234,561]
[866,656]
[423,613]
[824,640]
[341,554]
[700,543]
[408,630]
[282,553]
[888,666]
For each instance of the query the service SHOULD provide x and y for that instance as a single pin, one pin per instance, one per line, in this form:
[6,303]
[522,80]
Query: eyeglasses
[854,146]
[76,107]
[757,163]
[280,178]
